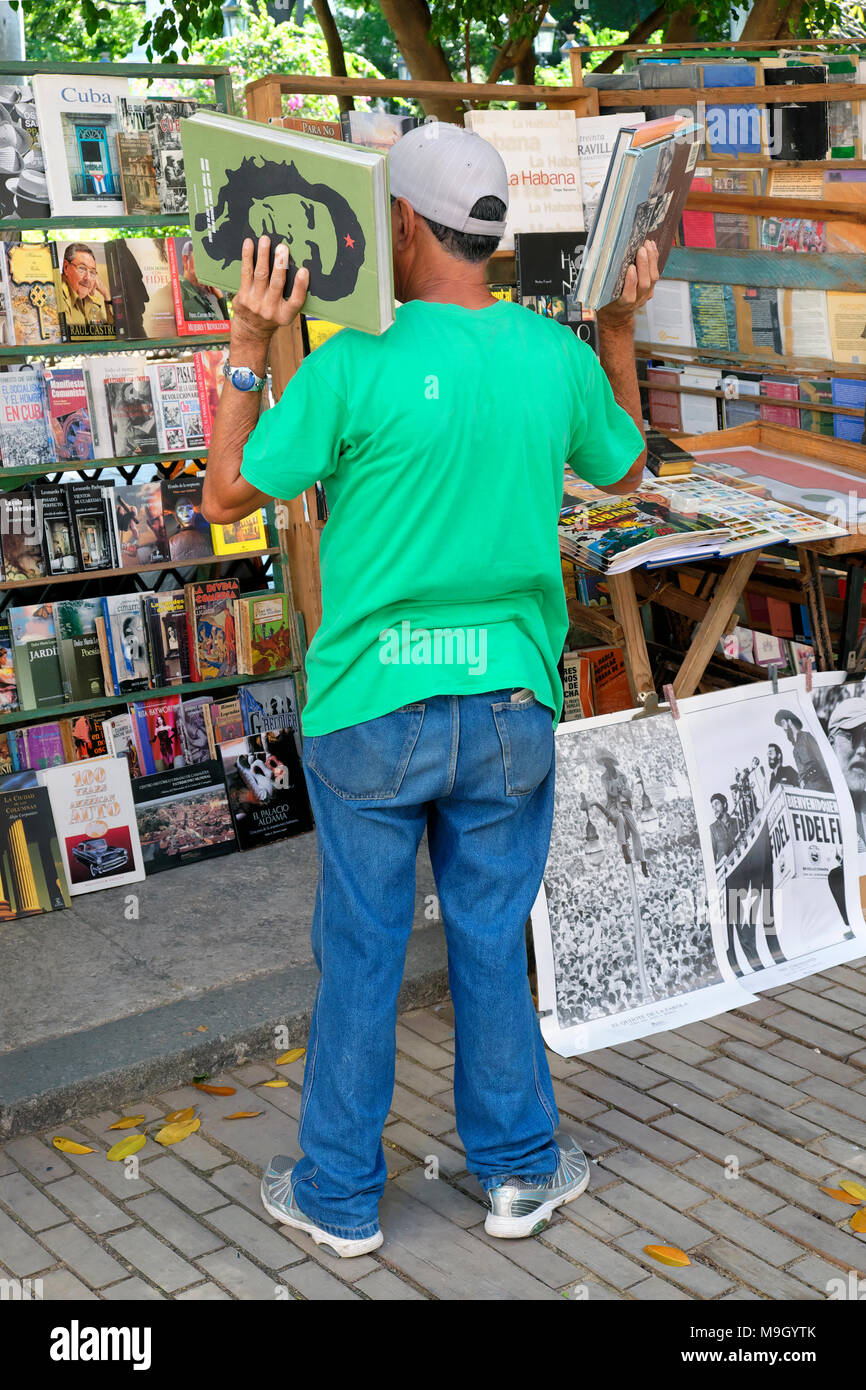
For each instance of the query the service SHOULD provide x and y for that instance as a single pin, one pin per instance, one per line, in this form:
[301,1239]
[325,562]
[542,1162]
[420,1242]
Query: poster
[841,709]
[692,861]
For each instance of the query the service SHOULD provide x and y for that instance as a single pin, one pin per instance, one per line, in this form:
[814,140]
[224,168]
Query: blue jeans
[477,771]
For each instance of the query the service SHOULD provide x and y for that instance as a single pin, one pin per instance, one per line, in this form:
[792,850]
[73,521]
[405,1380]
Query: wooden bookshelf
[128,222]
[87,347]
[158,567]
[94,465]
[29,716]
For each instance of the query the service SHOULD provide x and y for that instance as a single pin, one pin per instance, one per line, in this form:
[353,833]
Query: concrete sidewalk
[717,1138]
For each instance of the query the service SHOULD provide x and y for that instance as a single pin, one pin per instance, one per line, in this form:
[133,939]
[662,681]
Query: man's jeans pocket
[526,735]
[366,762]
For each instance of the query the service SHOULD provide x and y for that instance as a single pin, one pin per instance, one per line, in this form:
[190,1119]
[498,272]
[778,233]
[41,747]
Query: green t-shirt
[441,445]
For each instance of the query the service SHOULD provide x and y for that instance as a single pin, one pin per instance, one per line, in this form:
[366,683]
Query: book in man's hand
[647,182]
[326,200]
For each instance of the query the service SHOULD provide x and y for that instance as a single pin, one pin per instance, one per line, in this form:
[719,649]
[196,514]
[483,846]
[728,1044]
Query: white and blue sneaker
[279,1202]
[522,1208]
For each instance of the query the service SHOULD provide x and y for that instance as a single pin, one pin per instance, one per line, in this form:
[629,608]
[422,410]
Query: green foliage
[81,31]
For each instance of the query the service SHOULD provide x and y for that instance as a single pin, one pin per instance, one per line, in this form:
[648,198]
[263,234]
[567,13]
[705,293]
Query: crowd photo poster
[692,862]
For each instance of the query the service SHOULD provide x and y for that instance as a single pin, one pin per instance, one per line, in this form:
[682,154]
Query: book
[660,74]
[665,458]
[576,687]
[596,136]
[137,174]
[78,124]
[78,647]
[738,408]
[141,293]
[84,300]
[643,196]
[700,413]
[210,621]
[798,130]
[157,738]
[732,129]
[43,746]
[664,406]
[230,163]
[34,652]
[757,327]
[783,389]
[266,789]
[548,265]
[198,308]
[310,125]
[127,642]
[805,323]
[196,736]
[850,392]
[165,616]
[162,120]
[179,422]
[735,231]
[23,190]
[8,686]
[847,315]
[225,719]
[21,534]
[610,685]
[714,316]
[120,742]
[270,705]
[817,392]
[25,439]
[87,734]
[93,524]
[29,293]
[95,819]
[68,414]
[540,152]
[615,534]
[183,816]
[245,537]
[32,877]
[210,382]
[377,130]
[131,413]
[189,535]
[140,523]
[264,633]
[52,504]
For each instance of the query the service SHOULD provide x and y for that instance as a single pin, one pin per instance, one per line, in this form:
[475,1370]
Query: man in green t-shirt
[433,686]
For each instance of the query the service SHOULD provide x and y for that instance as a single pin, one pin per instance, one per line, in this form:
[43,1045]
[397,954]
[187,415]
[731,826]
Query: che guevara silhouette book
[325,199]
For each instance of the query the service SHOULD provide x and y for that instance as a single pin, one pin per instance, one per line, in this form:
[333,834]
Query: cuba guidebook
[327,200]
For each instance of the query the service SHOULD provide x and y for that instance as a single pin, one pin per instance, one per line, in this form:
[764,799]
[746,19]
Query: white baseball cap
[442,170]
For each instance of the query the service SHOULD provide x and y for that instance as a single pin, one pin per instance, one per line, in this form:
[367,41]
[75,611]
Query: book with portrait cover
[183,816]
[332,210]
[94,814]
[210,620]
[29,292]
[25,439]
[83,292]
[140,523]
[131,413]
[140,284]
[32,877]
[157,737]
[196,735]
[189,535]
[198,307]
[266,788]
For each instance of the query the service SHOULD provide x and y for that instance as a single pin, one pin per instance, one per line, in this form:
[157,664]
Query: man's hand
[259,308]
[640,281]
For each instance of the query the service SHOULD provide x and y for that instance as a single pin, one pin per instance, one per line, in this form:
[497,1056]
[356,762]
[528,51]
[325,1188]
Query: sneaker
[278,1201]
[521,1208]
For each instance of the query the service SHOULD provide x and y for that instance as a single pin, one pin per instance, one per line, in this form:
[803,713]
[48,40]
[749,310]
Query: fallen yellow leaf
[201,1028]
[69,1146]
[294,1056]
[278,1081]
[857,1189]
[172,1134]
[839,1195]
[858,1221]
[127,1122]
[179,1116]
[667,1254]
[244,1115]
[124,1147]
[214,1090]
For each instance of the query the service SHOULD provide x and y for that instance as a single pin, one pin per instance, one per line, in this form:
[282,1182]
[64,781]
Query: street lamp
[402,69]
[545,36]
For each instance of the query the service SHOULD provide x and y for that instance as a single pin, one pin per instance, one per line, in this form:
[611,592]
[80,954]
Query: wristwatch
[243,378]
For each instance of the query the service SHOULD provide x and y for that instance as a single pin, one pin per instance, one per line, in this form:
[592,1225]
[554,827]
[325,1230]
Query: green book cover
[327,200]
[34,652]
[78,647]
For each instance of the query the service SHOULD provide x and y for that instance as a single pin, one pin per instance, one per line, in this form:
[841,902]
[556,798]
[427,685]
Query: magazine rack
[273,559]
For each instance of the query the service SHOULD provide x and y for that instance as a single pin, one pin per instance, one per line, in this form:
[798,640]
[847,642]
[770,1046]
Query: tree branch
[639,34]
[334,45]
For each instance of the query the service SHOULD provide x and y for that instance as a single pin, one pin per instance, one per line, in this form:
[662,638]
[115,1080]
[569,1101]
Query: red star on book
[349,241]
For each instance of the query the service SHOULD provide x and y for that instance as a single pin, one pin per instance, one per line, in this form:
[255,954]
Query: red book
[699,228]
[210,381]
[213,651]
[783,389]
[198,308]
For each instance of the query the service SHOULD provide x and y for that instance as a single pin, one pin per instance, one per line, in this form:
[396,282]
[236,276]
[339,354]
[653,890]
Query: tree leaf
[277,1081]
[127,1122]
[200,1028]
[858,1221]
[124,1147]
[202,1076]
[216,1090]
[244,1115]
[667,1255]
[839,1195]
[172,1134]
[178,1117]
[294,1056]
[69,1146]
[857,1189]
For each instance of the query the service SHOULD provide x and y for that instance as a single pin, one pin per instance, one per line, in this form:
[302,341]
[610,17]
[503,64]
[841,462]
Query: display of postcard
[165,615]
[178,410]
[52,504]
[21,536]
[137,174]
[78,647]
[8,685]
[78,126]
[141,288]
[29,292]
[95,819]
[25,439]
[32,878]
[34,651]
[189,535]
[127,641]
[196,738]
[183,816]
[83,293]
[269,705]
[92,521]
[140,523]
[266,788]
[162,122]
[68,413]
[157,738]
[131,413]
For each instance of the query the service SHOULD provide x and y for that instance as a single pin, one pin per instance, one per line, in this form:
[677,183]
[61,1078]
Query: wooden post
[719,613]
[627,613]
[810,569]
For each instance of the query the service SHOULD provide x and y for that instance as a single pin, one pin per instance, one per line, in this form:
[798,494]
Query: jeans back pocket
[526,734]
[366,762]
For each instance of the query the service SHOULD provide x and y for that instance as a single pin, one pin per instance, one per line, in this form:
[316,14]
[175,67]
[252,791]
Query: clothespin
[544,1013]
[668,692]
[807,670]
[650,701]
[773,673]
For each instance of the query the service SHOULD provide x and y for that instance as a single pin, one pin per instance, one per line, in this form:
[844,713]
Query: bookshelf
[91,346]
[8,721]
[157,567]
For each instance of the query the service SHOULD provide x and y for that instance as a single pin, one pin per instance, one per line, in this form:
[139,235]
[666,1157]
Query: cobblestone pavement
[716,1138]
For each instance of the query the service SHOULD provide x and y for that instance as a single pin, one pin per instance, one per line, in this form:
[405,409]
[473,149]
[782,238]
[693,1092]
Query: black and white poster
[692,861]
[841,709]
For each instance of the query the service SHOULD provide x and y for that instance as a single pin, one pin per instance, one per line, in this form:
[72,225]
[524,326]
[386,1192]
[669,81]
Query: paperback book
[266,789]
[25,439]
[165,615]
[540,152]
[8,686]
[91,506]
[157,737]
[137,174]
[270,705]
[127,642]
[183,816]
[196,738]
[29,293]
[178,410]
[131,413]
[162,120]
[68,414]
[140,523]
[83,294]
[52,504]
[21,535]
[198,308]
[96,828]
[34,651]
[244,537]
[78,124]
[264,633]
[614,534]
[141,292]
[210,618]
[377,130]
[189,535]
[31,869]
[78,647]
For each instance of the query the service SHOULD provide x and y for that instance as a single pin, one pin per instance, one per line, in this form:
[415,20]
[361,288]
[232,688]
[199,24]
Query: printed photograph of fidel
[764,790]
[842,712]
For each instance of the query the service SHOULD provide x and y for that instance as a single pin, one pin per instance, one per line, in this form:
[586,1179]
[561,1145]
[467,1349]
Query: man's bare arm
[616,349]
[258,311]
